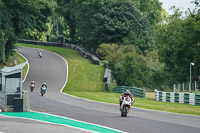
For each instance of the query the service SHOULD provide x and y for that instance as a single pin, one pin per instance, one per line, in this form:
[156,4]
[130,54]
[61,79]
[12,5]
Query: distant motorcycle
[43,90]
[126,105]
[32,87]
[40,54]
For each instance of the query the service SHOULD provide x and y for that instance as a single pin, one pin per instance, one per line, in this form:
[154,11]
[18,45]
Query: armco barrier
[80,49]
[167,97]
[41,43]
[186,98]
[137,92]
[197,99]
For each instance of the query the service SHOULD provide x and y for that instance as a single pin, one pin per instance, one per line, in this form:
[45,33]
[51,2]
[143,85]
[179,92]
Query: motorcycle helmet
[33,82]
[44,83]
[127,92]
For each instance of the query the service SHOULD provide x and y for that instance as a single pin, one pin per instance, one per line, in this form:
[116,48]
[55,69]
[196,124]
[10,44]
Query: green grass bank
[85,80]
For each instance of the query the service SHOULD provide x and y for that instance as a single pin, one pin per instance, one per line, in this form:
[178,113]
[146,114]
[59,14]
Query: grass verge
[85,80]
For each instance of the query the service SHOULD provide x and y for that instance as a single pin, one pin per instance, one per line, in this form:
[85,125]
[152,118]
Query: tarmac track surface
[52,70]
[17,125]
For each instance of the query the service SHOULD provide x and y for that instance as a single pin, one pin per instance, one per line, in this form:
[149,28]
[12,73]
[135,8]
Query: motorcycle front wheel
[125,111]
[31,89]
[122,114]
[42,93]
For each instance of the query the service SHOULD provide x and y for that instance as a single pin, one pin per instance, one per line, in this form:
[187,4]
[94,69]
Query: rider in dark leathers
[44,85]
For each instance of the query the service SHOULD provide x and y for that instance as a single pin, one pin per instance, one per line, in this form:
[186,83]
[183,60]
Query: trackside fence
[78,48]
[137,92]
[178,97]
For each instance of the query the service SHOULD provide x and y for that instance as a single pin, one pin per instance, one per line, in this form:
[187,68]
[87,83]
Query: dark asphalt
[52,70]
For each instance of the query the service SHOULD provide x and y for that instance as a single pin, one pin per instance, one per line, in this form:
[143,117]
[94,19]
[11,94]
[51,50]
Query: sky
[182,4]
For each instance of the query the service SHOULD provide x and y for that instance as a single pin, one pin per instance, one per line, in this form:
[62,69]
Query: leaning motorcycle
[126,105]
[43,90]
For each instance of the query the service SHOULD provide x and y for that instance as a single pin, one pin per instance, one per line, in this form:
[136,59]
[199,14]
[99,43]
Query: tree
[130,73]
[6,32]
[84,12]
[21,16]
[28,15]
[180,46]
[2,46]
[151,9]
[66,9]
[120,22]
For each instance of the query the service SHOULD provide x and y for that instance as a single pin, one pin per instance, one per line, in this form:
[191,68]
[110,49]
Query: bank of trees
[144,47]
[17,17]
[179,45]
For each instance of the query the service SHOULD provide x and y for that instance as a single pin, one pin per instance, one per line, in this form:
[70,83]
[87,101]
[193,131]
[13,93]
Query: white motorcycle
[32,87]
[126,105]
[40,54]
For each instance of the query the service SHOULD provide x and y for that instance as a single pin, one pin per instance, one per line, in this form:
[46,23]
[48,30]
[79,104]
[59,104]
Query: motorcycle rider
[124,94]
[39,54]
[33,84]
[44,85]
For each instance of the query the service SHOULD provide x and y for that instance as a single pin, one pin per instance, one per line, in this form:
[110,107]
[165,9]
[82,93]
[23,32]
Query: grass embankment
[85,80]
[15,60]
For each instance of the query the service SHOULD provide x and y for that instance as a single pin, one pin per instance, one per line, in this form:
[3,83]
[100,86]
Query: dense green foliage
[130,68]
[18,17]
[177,42]
[92,22]
[151,9]
[121,22]
[179,45]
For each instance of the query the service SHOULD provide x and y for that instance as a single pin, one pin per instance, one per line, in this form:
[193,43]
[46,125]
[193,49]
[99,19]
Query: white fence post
[179,88]
[156,95]
[192,98]
[181,97]
[164,96]
[172,99]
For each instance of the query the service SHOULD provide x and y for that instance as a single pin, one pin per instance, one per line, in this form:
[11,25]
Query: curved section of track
[52,70]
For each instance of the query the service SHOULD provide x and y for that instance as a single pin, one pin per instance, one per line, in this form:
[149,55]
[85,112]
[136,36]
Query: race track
[52,70]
